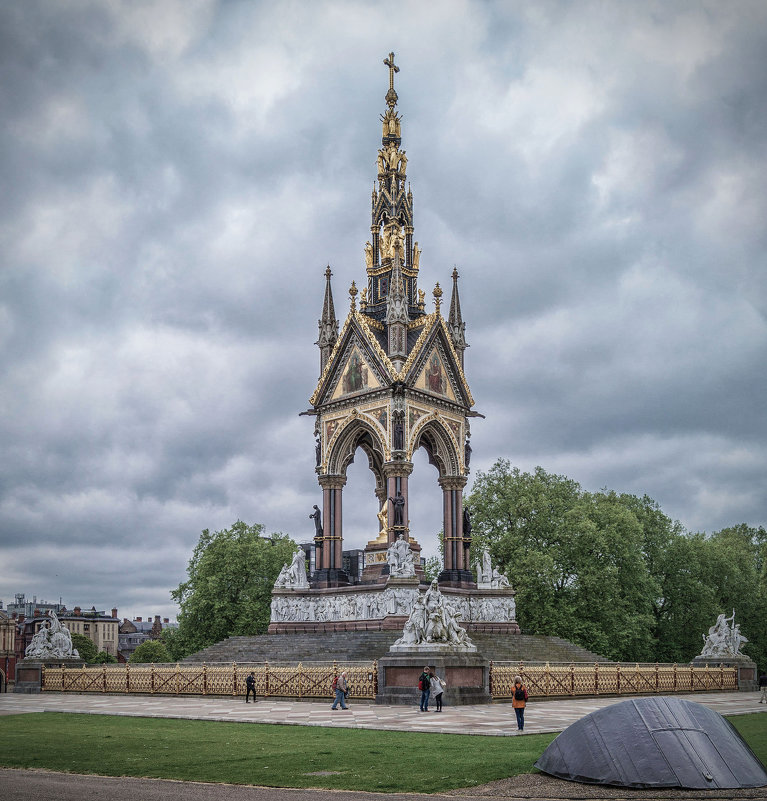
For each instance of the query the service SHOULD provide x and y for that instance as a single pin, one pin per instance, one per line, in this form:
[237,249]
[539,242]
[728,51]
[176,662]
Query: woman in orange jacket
[519,699]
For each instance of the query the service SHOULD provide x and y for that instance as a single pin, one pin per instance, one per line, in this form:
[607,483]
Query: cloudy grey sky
[178,173]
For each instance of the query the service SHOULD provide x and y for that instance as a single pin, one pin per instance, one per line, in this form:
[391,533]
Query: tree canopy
[85,647]
[149,651]
[228,591]
[611,571]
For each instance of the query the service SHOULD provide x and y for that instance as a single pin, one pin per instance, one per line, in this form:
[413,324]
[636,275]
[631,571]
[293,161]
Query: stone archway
[357,433]
[443,453]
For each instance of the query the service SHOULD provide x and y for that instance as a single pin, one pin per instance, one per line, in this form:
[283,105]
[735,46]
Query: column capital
[394,469]
[332,481]
[452,482]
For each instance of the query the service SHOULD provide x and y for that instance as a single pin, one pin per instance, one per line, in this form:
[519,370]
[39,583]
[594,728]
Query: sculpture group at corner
[293,577]
[52,641]
[723,639]
[432,623]
[399,557]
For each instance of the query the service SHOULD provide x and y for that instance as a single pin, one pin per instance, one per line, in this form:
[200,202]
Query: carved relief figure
[399,557]
[368,255]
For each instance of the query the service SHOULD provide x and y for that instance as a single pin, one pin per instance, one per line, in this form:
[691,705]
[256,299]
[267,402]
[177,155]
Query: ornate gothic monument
[391,382]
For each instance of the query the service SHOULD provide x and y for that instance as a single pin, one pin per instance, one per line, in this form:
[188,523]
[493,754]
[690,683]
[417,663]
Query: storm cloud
[177,175]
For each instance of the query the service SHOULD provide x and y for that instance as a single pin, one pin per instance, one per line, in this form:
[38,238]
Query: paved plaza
[491,719]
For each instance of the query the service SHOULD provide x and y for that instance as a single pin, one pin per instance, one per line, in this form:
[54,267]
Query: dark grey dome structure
[654,742]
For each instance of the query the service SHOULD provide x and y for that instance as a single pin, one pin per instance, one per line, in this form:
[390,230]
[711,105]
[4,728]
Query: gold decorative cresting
[353,295]
[364,299]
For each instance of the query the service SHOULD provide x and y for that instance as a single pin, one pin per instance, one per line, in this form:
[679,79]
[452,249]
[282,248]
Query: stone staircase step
[365,646]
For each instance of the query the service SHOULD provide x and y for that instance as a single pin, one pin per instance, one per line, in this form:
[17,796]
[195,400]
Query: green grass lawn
[279,756]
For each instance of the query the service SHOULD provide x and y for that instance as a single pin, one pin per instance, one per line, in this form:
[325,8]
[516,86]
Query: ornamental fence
[608,678]
[304,680]
[314,680]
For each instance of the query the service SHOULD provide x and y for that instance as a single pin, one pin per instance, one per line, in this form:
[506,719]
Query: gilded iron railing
[608,678]
[304,680]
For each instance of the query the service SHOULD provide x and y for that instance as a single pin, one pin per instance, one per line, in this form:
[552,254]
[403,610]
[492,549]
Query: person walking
[763,687]
[518,702]
[341,687]
[424,685]
[250,685]
[437,688]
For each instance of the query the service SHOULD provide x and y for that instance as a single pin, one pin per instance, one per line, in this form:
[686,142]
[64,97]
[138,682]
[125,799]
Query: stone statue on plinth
[398,502]
[293,577]
[432,625]
[52,641]
[723,640]
[399,557]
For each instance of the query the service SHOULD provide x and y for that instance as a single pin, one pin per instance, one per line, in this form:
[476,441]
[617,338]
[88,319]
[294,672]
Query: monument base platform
[466,676]
[747,677]
[29,673]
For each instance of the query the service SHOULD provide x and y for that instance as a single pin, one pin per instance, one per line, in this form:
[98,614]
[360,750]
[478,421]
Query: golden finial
[353,295]
[455,273]
[437,297]
[391,95]
[421,300]
[364,299]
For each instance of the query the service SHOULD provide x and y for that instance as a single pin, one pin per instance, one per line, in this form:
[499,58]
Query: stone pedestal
[467,675]
[29,672]
[747,677]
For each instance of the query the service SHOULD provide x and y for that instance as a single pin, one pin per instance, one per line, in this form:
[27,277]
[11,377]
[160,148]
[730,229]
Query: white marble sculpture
[52,641]
[399,557]
[488,577]
[433,625]
[293,577]
[378,603]
[723,639]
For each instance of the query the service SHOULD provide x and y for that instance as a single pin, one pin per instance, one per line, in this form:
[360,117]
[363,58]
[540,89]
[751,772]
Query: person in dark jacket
[250,687]
[763,687]
[424,682]
[518,701]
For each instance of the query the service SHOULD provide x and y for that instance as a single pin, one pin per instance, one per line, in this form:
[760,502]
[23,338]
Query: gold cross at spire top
[391,95]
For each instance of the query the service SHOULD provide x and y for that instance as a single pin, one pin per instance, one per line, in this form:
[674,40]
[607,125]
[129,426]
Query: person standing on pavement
[424,685]
[250,685]
[763,687]
[518,701]
[341,687]
[437,688]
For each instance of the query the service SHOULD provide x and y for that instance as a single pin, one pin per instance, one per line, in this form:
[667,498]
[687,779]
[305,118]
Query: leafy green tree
[150,651]
[229,587]
[85,647]
[432,568]
[170,639]
[103,658]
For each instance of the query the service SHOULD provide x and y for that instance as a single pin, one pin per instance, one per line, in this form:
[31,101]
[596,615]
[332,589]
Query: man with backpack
[340,688]
[250,685]
[424,685]
[518,701]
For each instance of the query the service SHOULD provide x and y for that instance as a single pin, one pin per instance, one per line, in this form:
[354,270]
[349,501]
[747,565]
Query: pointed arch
[440,444]
[357,433]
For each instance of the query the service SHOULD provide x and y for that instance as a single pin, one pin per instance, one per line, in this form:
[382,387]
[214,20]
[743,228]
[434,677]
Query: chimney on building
[77,610]
[114,613]
[37,613]
[138,620]
[166,620]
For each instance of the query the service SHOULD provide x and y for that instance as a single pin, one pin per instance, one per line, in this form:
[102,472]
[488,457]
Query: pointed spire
[396,304]
[455,322]
[328,324]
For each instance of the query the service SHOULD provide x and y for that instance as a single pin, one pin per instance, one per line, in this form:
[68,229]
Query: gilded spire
[391,95]
[328,324]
